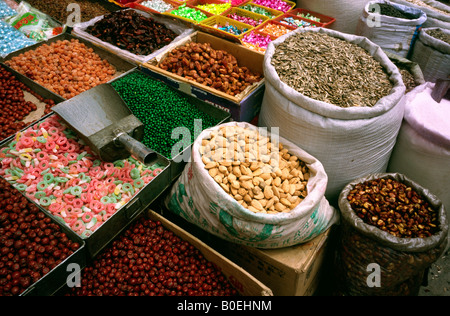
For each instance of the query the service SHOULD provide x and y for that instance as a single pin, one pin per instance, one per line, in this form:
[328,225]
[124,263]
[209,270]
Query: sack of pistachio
[392,230]
[338,97]
[252,187]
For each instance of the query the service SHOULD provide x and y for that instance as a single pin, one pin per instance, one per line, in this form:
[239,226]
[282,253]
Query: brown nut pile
[214,68]
[260,175]
[393,207]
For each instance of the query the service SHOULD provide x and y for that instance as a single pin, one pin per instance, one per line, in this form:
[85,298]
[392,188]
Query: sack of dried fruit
[252,187]
[394,27]
[392,230]
[432,53]
[338,97]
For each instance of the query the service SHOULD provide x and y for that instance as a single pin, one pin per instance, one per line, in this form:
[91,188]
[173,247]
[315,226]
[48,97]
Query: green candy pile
[161,109]
[189,13]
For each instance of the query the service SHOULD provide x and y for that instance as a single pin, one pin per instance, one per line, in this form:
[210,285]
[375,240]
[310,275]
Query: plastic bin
[325,20]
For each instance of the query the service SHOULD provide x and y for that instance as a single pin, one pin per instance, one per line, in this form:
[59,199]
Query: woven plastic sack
[346,12]
[349,142]
[402,262]
[438,13]
[200,200]
[432,55]
[392,34]
[412,67]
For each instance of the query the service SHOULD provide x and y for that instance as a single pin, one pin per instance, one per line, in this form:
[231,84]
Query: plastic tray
[275,13]
[258,33]
[196,3]
[237,2]
[290,3]
[208,26]
[324,19]
[295,17]
[189,21]
[262,26]
[245,13]
[138,6]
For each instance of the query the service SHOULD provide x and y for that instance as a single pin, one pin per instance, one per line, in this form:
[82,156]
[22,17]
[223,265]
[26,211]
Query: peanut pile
[259,174]
[217,69]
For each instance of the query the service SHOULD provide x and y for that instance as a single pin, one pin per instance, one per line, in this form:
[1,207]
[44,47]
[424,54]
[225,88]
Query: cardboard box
[245,283]
[243,107]
[291,271]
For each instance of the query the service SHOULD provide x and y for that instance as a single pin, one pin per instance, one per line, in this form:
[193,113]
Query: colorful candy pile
[51,166]
[232,29]
[309,17]
[274,29]
[279,5]
[256,41]
[5,10]
[296,23]
[12,40]
[235,3]
[189,13]
[157,5]
[245,19]
[214,8]
[158,107]
[256,9]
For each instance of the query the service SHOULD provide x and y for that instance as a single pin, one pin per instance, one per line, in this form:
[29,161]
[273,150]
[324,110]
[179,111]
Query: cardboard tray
[116,223]
[244,282]
[178,163]
[243,107]
[325,20]
[121,65]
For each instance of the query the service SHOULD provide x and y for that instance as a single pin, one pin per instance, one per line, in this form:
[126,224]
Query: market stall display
[259,191]
[432,53]
[422,150]
[438,12]
[22,102]
[88,9]
[324,111]
[393,27]
[12,40]
[390,221]
[33,247]
[134,35]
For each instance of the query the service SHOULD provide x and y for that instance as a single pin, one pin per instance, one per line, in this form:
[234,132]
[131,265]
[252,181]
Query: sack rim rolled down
[393,20]
[316,190]
[397,243]
[433,42]
[328,110]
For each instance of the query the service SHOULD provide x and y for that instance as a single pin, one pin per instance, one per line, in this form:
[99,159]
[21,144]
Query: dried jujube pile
[13,104]
[150,260]
[332,70]
[31,245]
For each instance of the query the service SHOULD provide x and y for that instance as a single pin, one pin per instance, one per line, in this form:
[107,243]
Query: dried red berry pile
[31,245]
[149,260]
[13,104]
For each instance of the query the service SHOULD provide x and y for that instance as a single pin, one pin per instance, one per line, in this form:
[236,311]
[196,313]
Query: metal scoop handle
[135,148]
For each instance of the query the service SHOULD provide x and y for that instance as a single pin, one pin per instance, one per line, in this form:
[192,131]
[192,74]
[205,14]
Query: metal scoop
[105,123]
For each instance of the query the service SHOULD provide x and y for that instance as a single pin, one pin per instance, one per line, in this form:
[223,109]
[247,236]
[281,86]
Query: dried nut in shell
[260,175]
